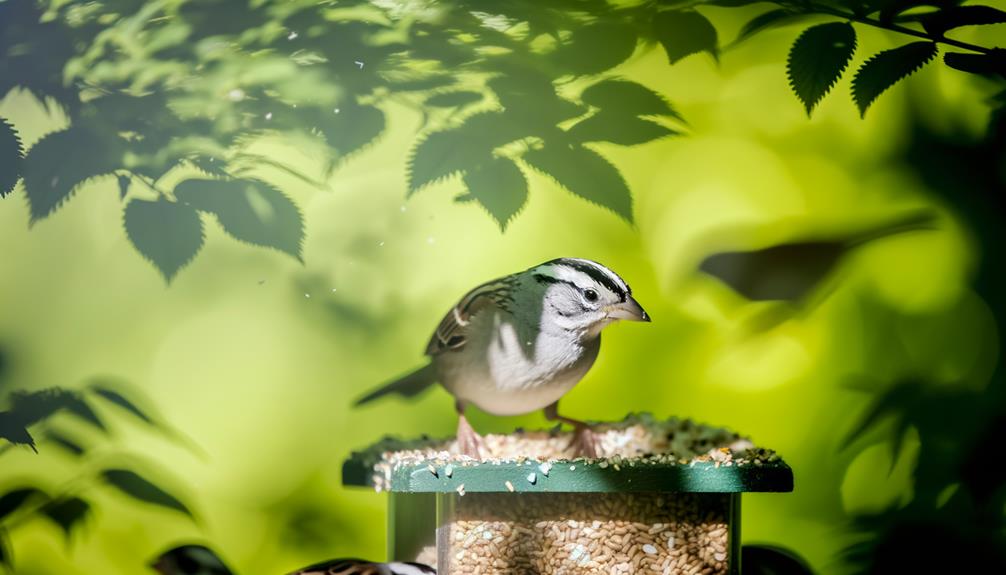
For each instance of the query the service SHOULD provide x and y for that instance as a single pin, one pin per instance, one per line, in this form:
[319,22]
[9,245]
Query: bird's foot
[585,442]
[469,442]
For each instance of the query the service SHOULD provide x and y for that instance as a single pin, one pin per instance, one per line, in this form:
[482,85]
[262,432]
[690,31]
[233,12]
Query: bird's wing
[452,331]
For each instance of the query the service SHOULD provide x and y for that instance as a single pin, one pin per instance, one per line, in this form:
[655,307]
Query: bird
[518,343]
[201,560]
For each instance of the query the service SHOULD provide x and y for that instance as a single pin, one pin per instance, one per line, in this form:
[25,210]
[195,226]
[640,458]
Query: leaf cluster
[34,413]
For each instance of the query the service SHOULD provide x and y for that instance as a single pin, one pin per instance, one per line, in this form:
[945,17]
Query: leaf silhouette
[765,21]
[993,62]
[773,560]
[626,97]
[500,187]
[11,157]
[249,210]
[887,68]
[817,60]
[116,398]
[80,408]
[618,129]
[596,47]
[6,557]
[63,441]
[353,127]
[790,271]
[453,99]
[442,154]
[14,499]
[30,407]
[168,234]
[123,180]
[132,484]
[939,22]
[584,173]
[189,557]
[683,33]
[67,513]
[61,161]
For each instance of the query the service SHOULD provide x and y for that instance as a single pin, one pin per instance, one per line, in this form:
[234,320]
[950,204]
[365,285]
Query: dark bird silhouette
[789,271]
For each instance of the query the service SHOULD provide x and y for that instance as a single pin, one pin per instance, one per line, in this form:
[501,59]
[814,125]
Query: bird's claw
[469,442]
[584,443]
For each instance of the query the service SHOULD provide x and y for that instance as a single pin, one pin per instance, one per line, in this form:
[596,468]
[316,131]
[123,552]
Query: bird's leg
[584,441]
[470,443]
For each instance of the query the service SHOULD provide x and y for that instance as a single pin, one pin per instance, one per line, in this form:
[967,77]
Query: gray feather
[409,385]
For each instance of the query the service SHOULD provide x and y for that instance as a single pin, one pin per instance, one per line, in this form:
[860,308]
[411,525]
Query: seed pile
[638,439]
[609,533]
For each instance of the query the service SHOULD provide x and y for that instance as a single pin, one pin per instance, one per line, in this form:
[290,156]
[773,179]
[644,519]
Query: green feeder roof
[641,455]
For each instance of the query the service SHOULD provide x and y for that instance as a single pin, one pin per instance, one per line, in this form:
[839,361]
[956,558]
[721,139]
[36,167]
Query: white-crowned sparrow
[364,567]
[518,343]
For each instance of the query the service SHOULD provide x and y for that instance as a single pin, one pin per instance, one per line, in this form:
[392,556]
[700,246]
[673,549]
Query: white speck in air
[359,63]
[307,295]
[292,36]
[430,240]
[268,116]
[336,110]
[402,209]
[236,94]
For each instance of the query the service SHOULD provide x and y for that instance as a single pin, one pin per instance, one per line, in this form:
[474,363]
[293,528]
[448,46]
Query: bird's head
[583,295]
[190,560]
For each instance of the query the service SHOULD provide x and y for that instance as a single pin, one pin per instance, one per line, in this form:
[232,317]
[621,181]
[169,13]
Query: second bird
[517,344]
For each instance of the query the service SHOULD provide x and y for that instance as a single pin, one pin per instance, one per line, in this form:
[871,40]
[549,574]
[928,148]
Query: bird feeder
[664,498]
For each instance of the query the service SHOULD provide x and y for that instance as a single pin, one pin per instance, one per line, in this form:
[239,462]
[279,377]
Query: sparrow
[200,560]
[518,343]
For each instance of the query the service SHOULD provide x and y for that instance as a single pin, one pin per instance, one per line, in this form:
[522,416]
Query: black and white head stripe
[572,270]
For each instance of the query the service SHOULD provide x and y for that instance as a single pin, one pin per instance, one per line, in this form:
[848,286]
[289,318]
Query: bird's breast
[510,371]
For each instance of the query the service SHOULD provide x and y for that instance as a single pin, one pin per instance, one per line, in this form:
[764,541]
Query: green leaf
[132,484]
[116,398]
[766,21]
[63,441]
[685,33]
[596,47]
[500,187]
[13,500]
[168,234]
[453,99]
[617,129]
[67,513]
[584,173]
[939,22]
[817,60]
[887,68]
[448,152]
[628,98]
[58,163]
[11,157]
[988,64]
[249,210]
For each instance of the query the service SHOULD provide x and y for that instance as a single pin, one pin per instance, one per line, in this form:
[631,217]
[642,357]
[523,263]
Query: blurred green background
[255,357]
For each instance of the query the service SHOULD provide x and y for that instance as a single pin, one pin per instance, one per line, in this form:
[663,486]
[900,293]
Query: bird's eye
[590,295]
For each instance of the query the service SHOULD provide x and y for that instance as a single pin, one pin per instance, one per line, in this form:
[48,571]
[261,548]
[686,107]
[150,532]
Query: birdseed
[534,533]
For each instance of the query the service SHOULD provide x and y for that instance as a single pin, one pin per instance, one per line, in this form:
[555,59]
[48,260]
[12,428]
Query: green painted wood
[577,476]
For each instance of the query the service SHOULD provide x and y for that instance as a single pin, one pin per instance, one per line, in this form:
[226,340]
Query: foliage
[182,86]
[69,508]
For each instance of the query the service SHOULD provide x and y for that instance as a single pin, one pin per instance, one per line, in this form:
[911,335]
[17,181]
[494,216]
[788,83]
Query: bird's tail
[409,385]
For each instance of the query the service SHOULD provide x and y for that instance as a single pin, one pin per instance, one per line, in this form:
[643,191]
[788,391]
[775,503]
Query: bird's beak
[628,310]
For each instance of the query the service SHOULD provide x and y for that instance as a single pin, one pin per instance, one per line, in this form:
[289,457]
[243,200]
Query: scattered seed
[449,470]
[461,490]
[532,478]
[509,486]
